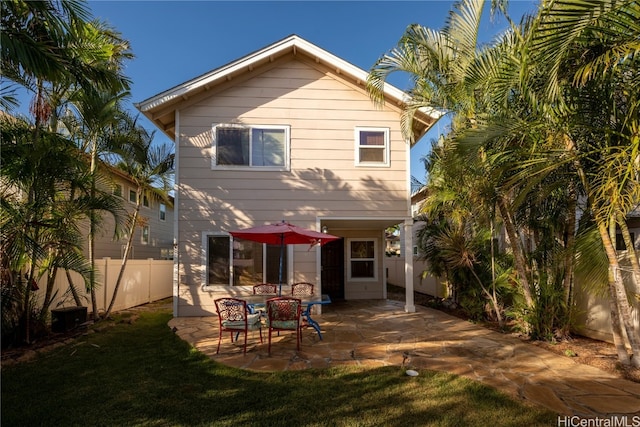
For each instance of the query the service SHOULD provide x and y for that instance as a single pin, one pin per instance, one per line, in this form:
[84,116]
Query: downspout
[319,265]
[176,215]
[409,306]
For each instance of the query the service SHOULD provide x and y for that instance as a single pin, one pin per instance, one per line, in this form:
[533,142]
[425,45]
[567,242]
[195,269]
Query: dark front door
[332,260]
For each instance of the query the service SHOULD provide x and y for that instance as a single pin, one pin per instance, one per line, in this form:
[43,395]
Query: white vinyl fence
[593,317]
[429,285]
[143,281]
[593,314]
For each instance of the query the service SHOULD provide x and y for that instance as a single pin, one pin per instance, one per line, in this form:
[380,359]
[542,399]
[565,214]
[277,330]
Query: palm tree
[31,34]
[564,94]
[531,104]
[52,49]
[93,111]
[460,221]
[98,116]
[31,204]
[150,166]
[441,63]
[588,53]
[54,41]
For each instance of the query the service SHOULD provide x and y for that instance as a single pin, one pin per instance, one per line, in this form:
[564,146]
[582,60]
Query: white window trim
[148,202]
[387,147]
[205,257]
[287,148]
[129,190]
[375,260]
[205,265]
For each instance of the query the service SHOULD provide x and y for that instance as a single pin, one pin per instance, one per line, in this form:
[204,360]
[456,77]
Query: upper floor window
[372,146]
[251,146]
[163,212]
[133,196]
[145,201]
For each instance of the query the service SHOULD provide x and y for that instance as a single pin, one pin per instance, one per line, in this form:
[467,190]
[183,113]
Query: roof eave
[289,44]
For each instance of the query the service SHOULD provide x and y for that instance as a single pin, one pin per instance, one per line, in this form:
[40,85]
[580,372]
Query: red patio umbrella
[283,233]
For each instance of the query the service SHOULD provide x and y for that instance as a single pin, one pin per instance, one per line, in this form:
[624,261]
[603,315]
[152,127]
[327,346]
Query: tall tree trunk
[73,289]
[616,327]
[123,265]
[619,305]
[92,232]
[51,280]
[494,295]
[570,243]
[493,298]
[632,254]
[621,322]
[92,271]
[27,289]
[36,229]
[516,246]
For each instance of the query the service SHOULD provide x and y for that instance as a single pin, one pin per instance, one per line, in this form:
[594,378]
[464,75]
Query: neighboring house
[285,133]
[154,235]
[392,244]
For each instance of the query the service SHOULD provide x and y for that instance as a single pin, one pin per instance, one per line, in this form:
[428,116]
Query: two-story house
[288,132]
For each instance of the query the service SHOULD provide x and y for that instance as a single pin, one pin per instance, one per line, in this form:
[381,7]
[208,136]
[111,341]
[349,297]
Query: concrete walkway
[380,333]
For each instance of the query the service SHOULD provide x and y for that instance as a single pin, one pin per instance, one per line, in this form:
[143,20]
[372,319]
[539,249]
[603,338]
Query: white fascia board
[212,76]
[292,42]
[359,74]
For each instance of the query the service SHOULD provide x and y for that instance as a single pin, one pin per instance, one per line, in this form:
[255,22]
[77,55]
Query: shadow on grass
[143,374]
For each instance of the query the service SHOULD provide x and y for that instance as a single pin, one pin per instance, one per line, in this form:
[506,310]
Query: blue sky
[175,41]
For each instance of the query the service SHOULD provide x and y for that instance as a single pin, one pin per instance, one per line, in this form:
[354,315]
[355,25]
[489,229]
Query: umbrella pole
[281,256]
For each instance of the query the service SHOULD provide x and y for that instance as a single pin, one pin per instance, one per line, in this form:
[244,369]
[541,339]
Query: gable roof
[160,109]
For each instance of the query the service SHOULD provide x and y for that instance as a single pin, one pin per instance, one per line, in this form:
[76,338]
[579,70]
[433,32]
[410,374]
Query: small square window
[372,146]
[362,259]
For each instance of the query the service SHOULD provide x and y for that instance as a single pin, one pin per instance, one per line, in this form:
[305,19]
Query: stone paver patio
[380,333]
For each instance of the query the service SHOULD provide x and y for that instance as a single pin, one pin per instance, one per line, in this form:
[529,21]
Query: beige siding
[322,112]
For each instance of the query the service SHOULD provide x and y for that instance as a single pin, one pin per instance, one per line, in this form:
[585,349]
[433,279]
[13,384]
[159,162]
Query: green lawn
[141,373]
